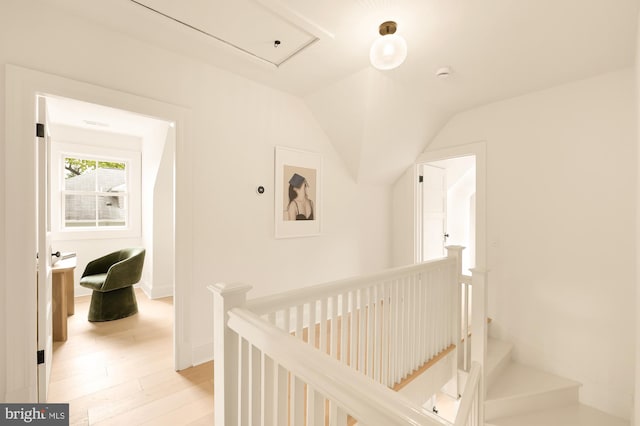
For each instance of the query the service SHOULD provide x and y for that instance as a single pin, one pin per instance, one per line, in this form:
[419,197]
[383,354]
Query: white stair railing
[480,328]
[465,288]
[381,328]
[384,325]
[288,382]
[470,411]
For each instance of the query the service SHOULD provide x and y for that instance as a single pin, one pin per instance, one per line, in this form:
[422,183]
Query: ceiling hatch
[251,26]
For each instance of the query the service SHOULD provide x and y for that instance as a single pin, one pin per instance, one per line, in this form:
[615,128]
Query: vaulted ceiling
[379,121]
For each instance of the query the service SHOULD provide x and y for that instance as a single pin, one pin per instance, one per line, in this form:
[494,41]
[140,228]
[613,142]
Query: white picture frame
[298,193]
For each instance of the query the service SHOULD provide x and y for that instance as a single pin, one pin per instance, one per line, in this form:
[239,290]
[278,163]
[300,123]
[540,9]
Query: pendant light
[390,50]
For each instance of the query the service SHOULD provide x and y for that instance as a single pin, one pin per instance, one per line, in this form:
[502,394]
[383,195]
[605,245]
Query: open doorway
[23,86]
[111,186]
[450,203]
[448,189]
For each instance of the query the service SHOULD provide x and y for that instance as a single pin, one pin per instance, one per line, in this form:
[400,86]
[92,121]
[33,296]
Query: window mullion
[115,212]
[96,197]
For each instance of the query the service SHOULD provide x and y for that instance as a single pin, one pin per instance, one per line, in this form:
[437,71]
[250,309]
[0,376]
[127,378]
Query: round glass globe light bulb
[388,52]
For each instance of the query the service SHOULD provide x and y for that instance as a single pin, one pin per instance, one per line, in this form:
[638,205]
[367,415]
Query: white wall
[402,214]
[459,215]
[162,282]
[234,126]
[158,153]
[561,185]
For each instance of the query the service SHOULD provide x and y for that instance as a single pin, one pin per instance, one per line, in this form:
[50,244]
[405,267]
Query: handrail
[469,396]
[269,357]
[266,304]
[364,399]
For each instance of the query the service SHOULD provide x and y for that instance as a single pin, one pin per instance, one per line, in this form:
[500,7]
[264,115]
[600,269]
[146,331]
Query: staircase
[518,395]
[267,357]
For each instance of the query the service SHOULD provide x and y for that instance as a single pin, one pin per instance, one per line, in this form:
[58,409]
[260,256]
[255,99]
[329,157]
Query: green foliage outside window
[76,166]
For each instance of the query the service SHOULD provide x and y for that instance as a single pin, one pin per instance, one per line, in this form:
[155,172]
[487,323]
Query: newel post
[479,309]
[479,316]
[225,351]
[455,252]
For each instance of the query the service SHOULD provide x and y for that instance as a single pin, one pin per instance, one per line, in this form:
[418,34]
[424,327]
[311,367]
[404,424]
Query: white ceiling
[74,113]
[455,168]
[274,37]
[380,121]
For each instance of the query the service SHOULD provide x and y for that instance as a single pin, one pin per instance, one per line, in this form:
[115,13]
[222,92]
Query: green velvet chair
[111,278]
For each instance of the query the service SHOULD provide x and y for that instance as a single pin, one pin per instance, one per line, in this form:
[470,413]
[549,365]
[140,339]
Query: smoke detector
[443,72]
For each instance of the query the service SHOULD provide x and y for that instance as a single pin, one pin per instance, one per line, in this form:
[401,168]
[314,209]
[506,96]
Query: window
[95,193]
[95,190]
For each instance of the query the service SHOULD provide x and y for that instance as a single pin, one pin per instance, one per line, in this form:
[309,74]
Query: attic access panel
[247,25]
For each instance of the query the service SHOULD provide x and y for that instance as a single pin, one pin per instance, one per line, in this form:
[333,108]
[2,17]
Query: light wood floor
[121,372]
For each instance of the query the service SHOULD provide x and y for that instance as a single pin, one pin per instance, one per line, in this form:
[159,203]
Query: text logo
[34,414]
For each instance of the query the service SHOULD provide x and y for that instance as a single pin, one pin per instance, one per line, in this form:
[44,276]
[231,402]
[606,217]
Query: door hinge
[40,130]
[420,179]
[41,357]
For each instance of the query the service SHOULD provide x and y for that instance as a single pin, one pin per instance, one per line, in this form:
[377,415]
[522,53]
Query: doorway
[450,200]
[23,87]
[448,208]
[111,187]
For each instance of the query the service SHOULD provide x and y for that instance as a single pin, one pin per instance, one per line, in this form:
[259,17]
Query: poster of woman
[298,185]
[300,192]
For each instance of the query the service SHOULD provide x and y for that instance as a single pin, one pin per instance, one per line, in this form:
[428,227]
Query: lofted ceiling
[379,121]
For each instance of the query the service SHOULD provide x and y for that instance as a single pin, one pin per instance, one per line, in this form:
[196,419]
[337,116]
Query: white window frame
[132,159]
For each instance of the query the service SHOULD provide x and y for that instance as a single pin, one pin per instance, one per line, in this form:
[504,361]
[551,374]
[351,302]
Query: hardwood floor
[121,372]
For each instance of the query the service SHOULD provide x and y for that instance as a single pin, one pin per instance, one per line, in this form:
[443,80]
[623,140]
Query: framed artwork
[298,190]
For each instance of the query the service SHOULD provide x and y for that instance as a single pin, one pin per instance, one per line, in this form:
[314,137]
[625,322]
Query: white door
[45,308]
[434,212]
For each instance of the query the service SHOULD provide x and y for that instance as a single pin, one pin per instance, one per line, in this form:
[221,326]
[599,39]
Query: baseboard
[156,291]
[146,289]
[160,291]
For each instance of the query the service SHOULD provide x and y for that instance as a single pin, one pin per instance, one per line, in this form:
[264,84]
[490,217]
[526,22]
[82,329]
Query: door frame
[477,149]
[22,87]
[45,284]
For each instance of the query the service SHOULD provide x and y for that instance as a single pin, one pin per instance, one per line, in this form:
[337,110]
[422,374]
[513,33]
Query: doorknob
[56,254]
[446,235]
